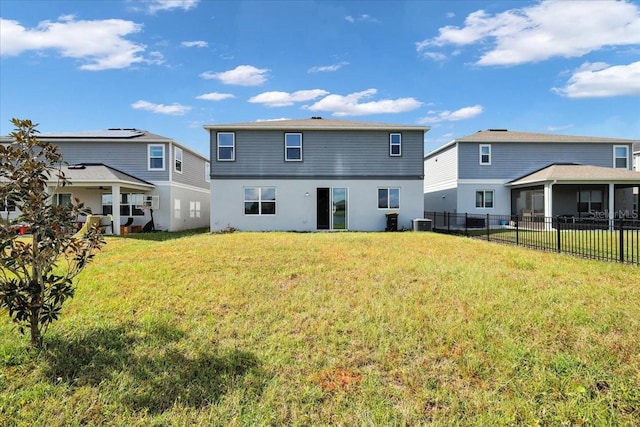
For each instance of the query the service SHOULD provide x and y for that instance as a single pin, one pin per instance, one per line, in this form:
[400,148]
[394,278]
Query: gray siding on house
[441,168]
[192,170]
[130,157]
[513,160]
[327,153]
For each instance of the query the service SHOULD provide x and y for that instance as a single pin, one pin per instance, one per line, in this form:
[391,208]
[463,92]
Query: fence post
[558,233]
[620,221]
[488,229]
[449,222]
[466,222]
[517,230]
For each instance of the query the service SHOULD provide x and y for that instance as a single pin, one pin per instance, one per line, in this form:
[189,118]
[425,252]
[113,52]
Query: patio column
[612,206]
[548,200]
[115,208]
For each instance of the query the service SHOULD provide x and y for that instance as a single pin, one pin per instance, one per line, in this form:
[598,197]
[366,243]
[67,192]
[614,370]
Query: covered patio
[108,192]
[579,193]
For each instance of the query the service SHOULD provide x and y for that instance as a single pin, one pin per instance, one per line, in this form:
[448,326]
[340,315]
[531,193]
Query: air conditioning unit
[422,224]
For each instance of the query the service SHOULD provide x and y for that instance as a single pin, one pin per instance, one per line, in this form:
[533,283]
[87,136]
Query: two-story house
[315,174]
[130,175]
[503,172]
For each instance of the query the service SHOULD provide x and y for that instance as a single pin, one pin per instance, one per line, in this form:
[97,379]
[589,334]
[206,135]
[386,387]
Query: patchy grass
[332,328]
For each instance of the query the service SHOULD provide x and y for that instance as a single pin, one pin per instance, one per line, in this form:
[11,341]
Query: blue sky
[171,66]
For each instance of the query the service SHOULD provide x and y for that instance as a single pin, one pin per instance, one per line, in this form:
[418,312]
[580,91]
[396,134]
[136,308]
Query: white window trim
[178,158]
[484,199]
[480,154]
[626,148]
[233,151]
[286,153]
[149,147]
[207,172]
[388,198]
[244,200]
[392,144]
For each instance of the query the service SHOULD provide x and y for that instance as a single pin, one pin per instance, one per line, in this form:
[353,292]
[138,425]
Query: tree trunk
[34,323]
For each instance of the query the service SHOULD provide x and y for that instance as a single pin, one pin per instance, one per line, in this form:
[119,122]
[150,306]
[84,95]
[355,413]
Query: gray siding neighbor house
[315,174]
[503,172]
[127,175]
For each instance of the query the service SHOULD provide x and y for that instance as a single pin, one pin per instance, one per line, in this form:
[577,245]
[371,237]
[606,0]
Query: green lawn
[332,329]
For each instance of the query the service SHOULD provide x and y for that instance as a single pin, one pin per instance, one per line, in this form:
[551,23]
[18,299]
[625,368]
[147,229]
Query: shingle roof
[314,123]
[100,173]
[503,135]
[578,173]
[109,135]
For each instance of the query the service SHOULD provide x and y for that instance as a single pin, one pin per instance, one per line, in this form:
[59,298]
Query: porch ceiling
[565,174]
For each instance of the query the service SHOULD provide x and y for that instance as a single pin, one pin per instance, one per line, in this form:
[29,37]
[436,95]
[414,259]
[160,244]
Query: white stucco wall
[296,211]
[467,197]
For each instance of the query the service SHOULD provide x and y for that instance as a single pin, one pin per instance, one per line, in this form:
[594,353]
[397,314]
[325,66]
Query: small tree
[37,272]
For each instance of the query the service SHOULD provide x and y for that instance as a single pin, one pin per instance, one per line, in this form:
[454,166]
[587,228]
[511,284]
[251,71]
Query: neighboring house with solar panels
[502,172]
[315,174]
[129,174]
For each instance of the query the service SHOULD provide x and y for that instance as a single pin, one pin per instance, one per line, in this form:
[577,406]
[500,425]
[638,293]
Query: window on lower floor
[62,199]
[7,205]
[388,198]
[130,204]
[590,201]
[194,209]
[176,208]
[259,200]
[484,199]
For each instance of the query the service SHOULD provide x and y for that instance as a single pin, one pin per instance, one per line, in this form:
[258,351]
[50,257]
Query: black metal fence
[603,239]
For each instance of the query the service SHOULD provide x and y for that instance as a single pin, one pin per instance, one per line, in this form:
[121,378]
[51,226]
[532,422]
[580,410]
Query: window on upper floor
[293,147]
[226,146]
[207,172]
[395,144]
[177,162]
[156,157]
[484,199]
[259,200]
[388,198]
[485,154]
[621,157]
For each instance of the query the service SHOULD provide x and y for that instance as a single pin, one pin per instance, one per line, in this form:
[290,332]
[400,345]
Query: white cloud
[154,6]
[436,56]
[283,99]
[327,68]
[452,116]
[542,31]
[242,75]
[361,18]
[552,128]
[174,109]
[600,80]
[196,43]
[215,96]
[99,45]
[350,105]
